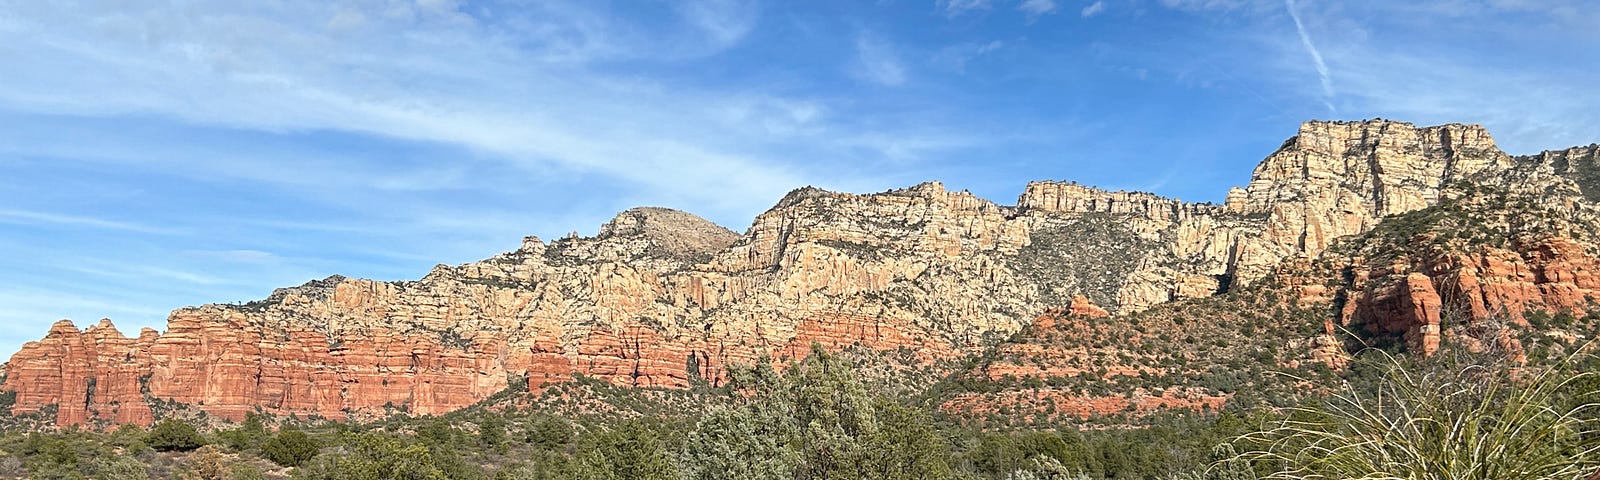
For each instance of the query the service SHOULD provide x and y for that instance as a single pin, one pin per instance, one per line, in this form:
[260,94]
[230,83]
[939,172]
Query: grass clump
[1464,417]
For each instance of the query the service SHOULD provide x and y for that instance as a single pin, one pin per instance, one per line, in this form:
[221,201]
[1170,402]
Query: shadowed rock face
[661,297]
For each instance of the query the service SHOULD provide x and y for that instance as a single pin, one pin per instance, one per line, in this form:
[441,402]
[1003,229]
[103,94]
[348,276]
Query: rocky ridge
[1502,260]
[1489,251]
[660,298]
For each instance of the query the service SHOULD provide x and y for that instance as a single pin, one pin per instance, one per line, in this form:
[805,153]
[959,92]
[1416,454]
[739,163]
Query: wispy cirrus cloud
[121,270]
[1521,87]
[25,308]
[726,22]
[23,217]
[1093,9]
[1201,5]
[237,256]
[1035,8]
[1420,88]
[954,8]
[345,77]
[1316,56]
[956,57]
[877,61]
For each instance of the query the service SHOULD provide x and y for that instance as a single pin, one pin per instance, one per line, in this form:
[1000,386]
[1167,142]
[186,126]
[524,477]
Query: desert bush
[245,471]
[290,448]
[247,436]
[207,463]
[174,435]
[119,468]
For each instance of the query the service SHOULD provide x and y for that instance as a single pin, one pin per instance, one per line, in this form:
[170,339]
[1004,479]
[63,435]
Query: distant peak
[652,220]
[802,194]
[933,186]
[329,281]
[663,232]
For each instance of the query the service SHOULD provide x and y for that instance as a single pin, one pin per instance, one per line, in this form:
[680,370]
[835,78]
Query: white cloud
[1035,8]
[778,116]
[877,62]
[1093,9]
[347,19]
[955,8]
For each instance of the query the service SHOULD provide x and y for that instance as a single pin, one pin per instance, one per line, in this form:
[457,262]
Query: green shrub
[548,432]
[633,450]
[245,471]
[120,468]
[173,435]
[492,433]
[290,448]
[372,456]
[247,436]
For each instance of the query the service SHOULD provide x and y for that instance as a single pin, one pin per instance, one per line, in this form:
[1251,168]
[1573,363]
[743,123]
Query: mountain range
[1073,301]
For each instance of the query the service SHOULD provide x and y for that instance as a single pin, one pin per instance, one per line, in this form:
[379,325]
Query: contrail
[1316,56]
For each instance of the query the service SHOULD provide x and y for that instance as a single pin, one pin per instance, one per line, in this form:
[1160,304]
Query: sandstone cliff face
[1581,165]
[662,298]
[1338,178]
[1331,180]
[64,369]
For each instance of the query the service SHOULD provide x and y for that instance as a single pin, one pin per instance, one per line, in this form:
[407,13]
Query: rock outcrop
[1553,276]
[663,298]
[1494,248]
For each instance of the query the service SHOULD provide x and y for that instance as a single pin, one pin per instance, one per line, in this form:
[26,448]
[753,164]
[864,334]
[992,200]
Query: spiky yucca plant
[1466,417]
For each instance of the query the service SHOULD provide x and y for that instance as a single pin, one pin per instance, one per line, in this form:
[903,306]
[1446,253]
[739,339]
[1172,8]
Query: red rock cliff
[1554,275]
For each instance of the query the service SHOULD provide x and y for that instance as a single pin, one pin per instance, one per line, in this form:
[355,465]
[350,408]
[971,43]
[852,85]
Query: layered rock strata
[1416,300]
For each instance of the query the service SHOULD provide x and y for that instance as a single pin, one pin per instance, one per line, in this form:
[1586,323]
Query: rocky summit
[1398,233]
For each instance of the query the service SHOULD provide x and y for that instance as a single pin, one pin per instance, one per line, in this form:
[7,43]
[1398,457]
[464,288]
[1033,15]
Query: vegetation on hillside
[1455,416]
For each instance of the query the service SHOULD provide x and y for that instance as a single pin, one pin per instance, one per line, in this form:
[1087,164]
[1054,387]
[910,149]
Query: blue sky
[155,156]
